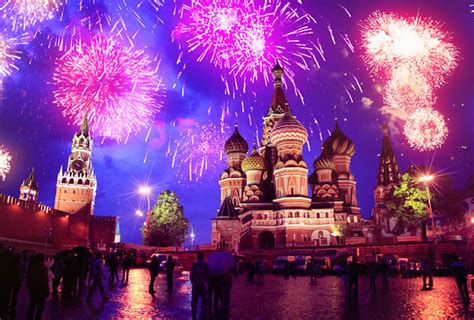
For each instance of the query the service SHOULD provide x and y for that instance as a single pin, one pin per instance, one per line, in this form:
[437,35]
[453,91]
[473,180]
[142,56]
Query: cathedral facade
[269,199]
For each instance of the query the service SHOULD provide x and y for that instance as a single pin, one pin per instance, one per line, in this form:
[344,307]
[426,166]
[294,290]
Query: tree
[408,204]
[165,225]
[339,231]
[448,203]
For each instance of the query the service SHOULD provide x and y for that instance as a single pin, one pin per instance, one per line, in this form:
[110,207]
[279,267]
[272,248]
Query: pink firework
[23,14]
[5,159]
[198,150]
[408,91]
[115,86]
[425,129]
[245,37]
[418,43]
[9,52]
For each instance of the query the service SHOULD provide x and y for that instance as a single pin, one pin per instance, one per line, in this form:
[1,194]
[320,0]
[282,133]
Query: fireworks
[23,14]
[5,159]
[199,149]
[417,43]
[425,129]
[9,53]
[114,86]
[245,39]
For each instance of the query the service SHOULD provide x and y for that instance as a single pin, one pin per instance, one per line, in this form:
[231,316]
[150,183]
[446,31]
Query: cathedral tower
[254,167]
[232,180]
[76,187]
[29,189]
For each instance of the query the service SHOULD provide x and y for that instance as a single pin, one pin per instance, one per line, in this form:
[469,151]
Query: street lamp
[139,213]
[146,192]
[192,236]
[426,180]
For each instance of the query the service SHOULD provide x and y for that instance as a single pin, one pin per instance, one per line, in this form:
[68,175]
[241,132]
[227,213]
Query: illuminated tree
[339,231]
[165,224]
[408,203]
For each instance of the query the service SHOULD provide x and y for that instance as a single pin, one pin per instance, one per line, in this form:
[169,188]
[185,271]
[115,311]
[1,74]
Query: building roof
[279,104]
[388,171]
[31,181]
[289,128]
[338,143]
[227,209]
[236,143]
[323,162]
[254,162]
[84,127]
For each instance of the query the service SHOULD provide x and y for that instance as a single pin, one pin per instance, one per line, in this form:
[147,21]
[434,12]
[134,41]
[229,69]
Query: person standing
[57,269]
[199,278]
[460,275]
[126,262]
[372,268]
[38,286]
[354,271]
[97,274]
[169,267]
[426,271]
[250,270]
[153,268]
[384,273]
[260,272]
[226,286]
[113,269]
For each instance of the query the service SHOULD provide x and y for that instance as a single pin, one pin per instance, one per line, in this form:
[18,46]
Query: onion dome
[338,144]
[288,128]
[254,162]
[236,143]
[323,162]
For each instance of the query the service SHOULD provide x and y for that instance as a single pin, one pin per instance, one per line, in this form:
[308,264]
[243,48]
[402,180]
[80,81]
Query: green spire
[85,127]
[31,180]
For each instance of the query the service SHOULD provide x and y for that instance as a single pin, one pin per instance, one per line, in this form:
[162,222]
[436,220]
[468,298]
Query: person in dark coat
[169,267]
[460,275]
[38,286]
[153,268]
[354,271]
[126,262]
[97,274]
[57,269]
[199,277]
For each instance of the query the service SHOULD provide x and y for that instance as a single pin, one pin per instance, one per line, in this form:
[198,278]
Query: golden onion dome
[323,162]
[338,144]
[254,162]
[288,128]
[236,143]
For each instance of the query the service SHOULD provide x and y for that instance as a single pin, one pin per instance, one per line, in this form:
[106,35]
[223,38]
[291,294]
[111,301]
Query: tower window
[64,180]
[79,181]
[71,181]
[87,182]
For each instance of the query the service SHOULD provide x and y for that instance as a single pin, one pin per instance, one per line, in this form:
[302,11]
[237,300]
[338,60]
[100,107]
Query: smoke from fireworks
[417,43]
[199,149]
[23,14]
[9,53]
[115,86]
[5,159]
[245,39]
[425,129]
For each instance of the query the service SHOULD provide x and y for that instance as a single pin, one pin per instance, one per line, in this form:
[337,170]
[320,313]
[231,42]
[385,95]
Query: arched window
[71,181]
[320,234]
[79,181]
[64,180]
[87,182]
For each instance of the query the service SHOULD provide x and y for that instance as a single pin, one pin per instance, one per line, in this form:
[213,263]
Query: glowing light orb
[199,150]
[23,14]
[115,86]
[9,53]
[5,159]
[425,129]
[418,43]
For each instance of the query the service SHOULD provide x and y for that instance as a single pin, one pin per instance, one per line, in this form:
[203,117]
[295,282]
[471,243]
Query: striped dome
[323,162]
[288,128]
[254,162]
[338,144]
[236,143]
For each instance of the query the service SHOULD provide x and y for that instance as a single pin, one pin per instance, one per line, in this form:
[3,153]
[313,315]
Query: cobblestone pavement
[277,298]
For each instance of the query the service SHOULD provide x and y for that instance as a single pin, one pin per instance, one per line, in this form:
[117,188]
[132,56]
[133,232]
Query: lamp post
[192,236]
[146,192]
[426,179]
[139,213]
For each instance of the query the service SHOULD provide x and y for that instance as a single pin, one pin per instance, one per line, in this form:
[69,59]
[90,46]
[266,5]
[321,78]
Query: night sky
[33,129]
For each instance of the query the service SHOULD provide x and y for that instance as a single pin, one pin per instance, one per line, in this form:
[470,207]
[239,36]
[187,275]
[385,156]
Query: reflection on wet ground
[277,298]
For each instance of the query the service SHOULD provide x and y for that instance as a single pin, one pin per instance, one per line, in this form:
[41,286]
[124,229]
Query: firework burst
[5,159]
[23,14]
[419,44]
[200,148]
[425,129]
[9,53]
[115,86]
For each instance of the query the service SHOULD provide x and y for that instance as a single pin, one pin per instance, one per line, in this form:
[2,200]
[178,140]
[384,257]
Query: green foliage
[408,203]
[339,230]
[166,225]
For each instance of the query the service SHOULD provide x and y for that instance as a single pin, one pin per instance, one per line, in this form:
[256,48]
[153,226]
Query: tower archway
[266,240]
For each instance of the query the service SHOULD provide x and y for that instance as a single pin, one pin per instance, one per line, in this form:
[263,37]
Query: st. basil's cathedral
[265,201]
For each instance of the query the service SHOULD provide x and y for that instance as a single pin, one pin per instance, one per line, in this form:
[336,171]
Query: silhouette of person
[153,268]
[354,271]
[384,273]
[126,262]
[169,267]
[426,271]
[97,274]
[38,286]
[199,279]
[113,269]
[460,275]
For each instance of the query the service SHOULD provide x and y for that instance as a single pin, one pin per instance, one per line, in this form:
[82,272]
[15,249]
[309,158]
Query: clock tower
[76,186]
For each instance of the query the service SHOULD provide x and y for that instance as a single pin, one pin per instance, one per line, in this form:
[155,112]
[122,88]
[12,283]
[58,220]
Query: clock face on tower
[77,165]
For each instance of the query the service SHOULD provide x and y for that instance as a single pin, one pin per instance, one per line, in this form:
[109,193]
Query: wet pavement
[277,298]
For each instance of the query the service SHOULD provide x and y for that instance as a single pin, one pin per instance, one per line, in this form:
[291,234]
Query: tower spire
[279,103]
[389,171]
[85,126]
[31,180]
